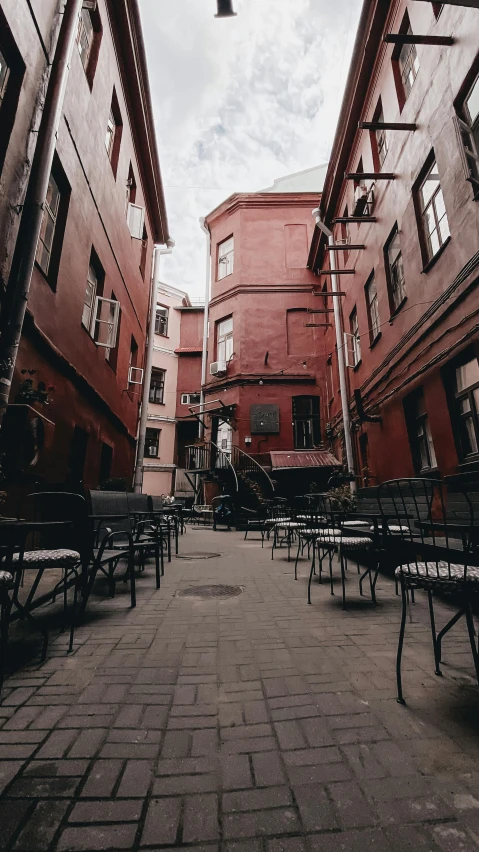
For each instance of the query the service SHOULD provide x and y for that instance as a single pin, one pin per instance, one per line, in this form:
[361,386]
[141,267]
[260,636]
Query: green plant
[253,491]
[28,393]
[341,499]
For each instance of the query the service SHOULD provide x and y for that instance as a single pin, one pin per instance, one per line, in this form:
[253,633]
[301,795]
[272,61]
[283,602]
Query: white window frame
[352,342]
[186,398]
[92,284]
[166,316]
[467,130]
[135,217]
[373,308]
[408,62]
[135,375]
[148,455]
[88,31]
[111,322]
[431,205]
[224,341]
[381,140]
[4,76]
[52,213]
[226,255]
[110,134]
[397,282]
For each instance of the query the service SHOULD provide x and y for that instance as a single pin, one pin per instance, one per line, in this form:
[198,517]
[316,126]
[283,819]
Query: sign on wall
[264,418]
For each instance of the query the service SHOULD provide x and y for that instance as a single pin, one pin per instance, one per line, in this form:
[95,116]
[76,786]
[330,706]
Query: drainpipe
[140,447]
[343,385]
[204,358]
[18,288]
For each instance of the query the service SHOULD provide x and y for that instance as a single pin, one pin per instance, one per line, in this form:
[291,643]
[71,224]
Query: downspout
[18,288]
[140,447]
[338,325]
[204,357]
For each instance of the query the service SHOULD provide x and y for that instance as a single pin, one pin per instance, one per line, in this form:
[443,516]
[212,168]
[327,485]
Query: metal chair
[435,555]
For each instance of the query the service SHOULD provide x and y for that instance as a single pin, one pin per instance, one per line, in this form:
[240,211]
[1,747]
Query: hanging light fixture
[225,9]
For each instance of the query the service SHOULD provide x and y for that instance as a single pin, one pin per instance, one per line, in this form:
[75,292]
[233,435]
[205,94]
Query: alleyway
[253,722]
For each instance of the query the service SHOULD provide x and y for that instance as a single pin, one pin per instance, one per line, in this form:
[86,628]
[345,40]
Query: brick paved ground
[257,723]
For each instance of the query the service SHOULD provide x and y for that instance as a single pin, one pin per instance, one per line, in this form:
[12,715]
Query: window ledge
[471,465]
[436,257]
[376,340]
[357,366]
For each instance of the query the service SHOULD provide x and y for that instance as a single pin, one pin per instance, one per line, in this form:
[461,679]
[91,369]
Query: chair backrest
[109,504]
[156,503]
[421,521]
[61,506]
[138,502]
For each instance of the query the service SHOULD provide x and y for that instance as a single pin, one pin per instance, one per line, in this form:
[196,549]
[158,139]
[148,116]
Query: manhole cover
[210,592]
[198,555]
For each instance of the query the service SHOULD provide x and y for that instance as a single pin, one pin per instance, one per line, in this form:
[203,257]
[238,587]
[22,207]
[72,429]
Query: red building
[188,388]
[86,319]
[401,196]
[263,362]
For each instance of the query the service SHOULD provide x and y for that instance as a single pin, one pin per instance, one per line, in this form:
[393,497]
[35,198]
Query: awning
[285,459]
[189,350]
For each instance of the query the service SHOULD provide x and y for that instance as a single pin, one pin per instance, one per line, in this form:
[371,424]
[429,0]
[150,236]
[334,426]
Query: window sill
[397,310]
[429,473]
[471,465]
[436,257]
[376,340]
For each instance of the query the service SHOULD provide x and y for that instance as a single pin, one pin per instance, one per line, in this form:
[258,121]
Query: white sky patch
[239,102]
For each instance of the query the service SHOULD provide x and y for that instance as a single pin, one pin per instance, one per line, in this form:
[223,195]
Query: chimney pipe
[225,9]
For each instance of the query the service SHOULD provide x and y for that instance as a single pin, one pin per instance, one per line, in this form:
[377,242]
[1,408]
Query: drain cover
[198,555]
[210,592]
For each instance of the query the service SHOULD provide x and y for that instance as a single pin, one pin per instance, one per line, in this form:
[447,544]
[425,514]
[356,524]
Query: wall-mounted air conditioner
[218,368]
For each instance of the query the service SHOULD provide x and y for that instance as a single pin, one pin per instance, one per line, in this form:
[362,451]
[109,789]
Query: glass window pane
[467,375]
[53,196]
[429,187]
[434,243]
[444,229]
[472,102]
[469,441]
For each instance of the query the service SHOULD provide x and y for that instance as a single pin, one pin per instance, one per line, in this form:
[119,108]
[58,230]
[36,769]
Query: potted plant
[28,392]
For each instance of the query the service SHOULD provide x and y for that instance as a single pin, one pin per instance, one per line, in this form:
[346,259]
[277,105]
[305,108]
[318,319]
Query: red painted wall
[406,357]
[271,238]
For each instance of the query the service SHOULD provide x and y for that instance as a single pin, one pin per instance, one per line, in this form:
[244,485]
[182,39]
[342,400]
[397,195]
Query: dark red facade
[267,294]
[93,407]
[419,345]
[189,379]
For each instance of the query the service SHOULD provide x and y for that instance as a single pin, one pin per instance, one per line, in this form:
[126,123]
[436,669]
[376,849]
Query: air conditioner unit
[218,368]
[361,199]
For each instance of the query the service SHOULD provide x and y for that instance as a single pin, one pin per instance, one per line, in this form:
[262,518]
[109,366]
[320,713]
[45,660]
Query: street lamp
[225,9]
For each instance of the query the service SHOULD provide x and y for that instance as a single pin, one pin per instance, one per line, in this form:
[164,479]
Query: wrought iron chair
[434,554]
[285,526]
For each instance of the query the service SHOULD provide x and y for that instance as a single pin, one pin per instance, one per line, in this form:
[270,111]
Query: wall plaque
[264,418]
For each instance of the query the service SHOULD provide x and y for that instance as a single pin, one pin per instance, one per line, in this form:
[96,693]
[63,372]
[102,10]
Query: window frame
[372,307]
[188,396]
[379,142]
[113,138]
[430,172]
[403,90]
[224,340]
[51,212]
[152,443]
[89,63]
[157,388]
[11,87]
[355,336]
[226,259]
[60,220]
[166,318]
[467,130]
[417,422]
[312,419]
[394,306]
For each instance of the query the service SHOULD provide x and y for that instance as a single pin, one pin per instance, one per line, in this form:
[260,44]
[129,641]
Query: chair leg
[330,555]
[400,697]
[131,575]
[74,613]
[296,560]
[5,607]
[157,564]
[437,659]
[343,576]
[311,573]
[472,637]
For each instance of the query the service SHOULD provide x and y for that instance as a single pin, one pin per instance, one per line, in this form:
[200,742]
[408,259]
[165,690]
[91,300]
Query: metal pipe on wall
[18,287]
[140,447]
[204,356]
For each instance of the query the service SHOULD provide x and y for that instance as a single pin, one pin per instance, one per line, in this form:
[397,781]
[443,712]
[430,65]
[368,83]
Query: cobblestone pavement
[254,723]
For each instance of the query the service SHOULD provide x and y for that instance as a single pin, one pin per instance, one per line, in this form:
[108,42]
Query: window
[106,459]
[420,438]
[467,129]
[130,187]
[12,70]
[226,256]
[306,422]
[161,322]
[329,362]
[132,364]
[371,291]
[48,226]
[190,398]
[114,129]
[100,316]
[405,64]
[466,404]
[224,339]
[88,41]
[433,212]
[379,142]
[394,270]
[53,224]
[354,342]
[4,75]
[157,386]
[152,443]
[144,252]
[111,355]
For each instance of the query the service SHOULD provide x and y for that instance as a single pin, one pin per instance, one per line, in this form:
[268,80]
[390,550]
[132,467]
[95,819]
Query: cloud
[239,102]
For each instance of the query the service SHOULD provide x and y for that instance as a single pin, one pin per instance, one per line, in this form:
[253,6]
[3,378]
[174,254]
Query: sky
[239,102]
